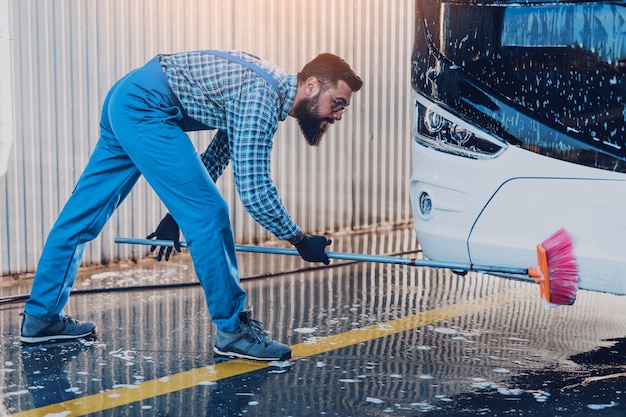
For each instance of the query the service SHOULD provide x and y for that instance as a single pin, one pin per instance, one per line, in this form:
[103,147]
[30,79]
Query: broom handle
[395,260]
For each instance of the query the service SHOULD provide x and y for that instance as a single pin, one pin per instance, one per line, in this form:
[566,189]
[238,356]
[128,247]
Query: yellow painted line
[149,389]
[388,328]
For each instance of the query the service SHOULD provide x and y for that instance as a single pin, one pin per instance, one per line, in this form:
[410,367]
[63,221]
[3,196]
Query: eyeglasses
[337,105]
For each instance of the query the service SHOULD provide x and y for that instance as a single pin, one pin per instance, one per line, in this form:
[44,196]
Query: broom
[556,274]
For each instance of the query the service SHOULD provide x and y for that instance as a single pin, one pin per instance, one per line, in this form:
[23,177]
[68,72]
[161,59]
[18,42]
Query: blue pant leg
[106,180]
[147,124]
[203,216]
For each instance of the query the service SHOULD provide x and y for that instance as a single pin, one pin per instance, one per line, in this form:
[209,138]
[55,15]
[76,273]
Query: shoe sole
[254,358]
[42,339]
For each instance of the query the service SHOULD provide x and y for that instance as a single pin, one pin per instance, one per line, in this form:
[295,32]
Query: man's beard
[310,123]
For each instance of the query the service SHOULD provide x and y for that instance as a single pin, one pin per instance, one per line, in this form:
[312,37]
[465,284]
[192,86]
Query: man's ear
[312,86]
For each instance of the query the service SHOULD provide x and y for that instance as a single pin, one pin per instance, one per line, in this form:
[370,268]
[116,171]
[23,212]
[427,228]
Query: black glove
[312,248]
[166,230]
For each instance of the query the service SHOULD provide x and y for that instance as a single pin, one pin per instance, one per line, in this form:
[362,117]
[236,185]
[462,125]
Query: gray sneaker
[250,341]
[35,330]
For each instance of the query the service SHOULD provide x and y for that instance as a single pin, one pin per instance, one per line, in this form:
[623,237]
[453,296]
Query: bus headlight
[439,129]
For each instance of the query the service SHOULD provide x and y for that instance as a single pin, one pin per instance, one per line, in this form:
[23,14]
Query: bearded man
[143,126]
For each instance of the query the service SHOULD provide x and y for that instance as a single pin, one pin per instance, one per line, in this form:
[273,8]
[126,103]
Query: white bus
[520,130]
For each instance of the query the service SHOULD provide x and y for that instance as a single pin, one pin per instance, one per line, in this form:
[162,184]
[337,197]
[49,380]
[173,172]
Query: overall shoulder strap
[268,77]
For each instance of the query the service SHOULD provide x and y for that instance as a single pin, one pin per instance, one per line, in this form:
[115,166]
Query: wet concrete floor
[368,340]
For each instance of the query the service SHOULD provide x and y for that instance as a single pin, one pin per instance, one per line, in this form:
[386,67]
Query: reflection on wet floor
[368,339]
[597,386]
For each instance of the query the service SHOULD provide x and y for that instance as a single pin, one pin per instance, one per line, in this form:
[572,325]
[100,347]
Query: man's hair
[329,68]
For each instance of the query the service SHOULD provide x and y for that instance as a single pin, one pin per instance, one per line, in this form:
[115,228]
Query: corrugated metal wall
[67,53]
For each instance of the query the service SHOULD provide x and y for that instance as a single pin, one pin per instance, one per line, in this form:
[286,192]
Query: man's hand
[166,230]
[312,248]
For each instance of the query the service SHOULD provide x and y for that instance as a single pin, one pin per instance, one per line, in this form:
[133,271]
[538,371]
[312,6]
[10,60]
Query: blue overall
[142,132]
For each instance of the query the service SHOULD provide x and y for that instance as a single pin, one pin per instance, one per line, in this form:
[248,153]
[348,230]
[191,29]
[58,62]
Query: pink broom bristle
[562,267]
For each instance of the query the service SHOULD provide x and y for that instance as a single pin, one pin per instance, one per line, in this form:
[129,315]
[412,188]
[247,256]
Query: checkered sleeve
[252,127]
[216,156]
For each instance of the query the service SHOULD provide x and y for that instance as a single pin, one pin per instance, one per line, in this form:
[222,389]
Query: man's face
[316,113]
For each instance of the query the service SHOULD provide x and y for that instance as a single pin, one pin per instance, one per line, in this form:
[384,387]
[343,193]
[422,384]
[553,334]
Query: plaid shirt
[245,109]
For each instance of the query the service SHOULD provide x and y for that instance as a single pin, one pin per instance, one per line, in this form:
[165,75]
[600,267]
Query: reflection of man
[144,120]
[238,395]
[46,371]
